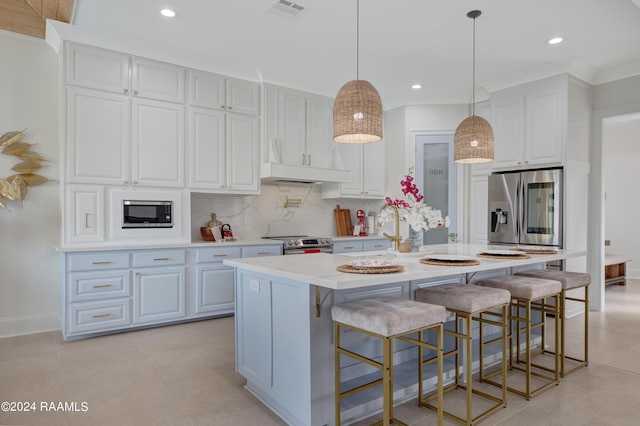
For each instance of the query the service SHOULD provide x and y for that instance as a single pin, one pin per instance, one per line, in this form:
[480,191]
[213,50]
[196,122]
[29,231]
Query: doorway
[437,178]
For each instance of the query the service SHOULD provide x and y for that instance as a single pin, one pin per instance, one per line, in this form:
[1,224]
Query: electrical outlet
[254,285]
[247,221]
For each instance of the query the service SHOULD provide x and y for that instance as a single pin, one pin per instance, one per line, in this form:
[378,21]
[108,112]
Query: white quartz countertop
[320,268]
[150,246]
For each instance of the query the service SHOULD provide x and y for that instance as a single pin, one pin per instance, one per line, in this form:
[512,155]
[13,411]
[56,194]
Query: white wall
[29,86]
[621,147]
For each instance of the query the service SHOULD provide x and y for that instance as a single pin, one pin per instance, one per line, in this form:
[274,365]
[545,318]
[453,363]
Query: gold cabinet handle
[102,286]
[230,108]
[135,92]
[303,159]
[347,248]
[264,252]
[102,315]
[309,160]
[86,220]
[160,258]
[219,255]
[104,262]
[126,90]
[126,182]
[222,106]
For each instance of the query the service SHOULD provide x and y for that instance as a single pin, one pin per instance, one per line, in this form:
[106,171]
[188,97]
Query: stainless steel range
[296,244]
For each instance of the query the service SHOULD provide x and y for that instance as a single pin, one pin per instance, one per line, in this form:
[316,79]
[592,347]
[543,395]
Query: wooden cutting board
[343,221]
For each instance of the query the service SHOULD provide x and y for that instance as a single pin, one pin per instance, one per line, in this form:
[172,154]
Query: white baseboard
[30,324]
[633,273]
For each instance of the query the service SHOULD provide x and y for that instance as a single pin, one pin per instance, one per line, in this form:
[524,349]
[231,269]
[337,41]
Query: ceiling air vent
[287,8]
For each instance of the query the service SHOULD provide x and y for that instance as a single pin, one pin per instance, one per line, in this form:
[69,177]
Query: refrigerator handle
[520,203]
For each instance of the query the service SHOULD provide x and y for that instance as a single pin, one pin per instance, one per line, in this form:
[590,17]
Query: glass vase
[415,239]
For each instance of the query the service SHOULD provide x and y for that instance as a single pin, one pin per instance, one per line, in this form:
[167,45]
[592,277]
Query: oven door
[541,208]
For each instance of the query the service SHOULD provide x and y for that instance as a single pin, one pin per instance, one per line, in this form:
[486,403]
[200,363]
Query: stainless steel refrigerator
[525,208]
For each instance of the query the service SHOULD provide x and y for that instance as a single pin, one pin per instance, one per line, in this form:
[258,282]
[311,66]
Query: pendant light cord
[473,79]
[358,40]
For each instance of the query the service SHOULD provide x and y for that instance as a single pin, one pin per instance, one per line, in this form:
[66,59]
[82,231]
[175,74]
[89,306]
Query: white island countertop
[320,268]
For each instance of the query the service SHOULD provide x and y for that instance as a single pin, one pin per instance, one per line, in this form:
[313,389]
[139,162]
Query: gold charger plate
[386,270]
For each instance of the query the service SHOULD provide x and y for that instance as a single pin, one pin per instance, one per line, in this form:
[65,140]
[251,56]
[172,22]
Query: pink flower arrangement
[413,210]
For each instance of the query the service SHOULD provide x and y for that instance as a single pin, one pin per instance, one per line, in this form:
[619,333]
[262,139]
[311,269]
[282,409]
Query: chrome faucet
[394,238]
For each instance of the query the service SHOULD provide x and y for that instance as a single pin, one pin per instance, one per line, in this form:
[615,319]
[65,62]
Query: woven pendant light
[473,140]
[357,109]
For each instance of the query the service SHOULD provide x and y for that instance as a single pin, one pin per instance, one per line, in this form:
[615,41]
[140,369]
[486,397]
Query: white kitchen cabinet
[86,221]
[298,128]
[159,286]
[528,125]
[95,68]
[98,140]
[355,246]
[157,149]
[224,151]
[225,94]
[367,165]
[479,202]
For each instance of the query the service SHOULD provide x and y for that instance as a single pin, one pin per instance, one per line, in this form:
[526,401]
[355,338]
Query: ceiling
[402,42]
[28,16]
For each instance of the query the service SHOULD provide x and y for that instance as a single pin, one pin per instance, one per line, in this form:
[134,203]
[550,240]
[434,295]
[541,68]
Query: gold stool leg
[336,368]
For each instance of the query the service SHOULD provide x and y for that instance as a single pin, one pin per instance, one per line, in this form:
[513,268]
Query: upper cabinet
[225,94]
[529,124]
[223,134]
[121,130]
[299,127]
[367,165]
[298,137]
[100,69]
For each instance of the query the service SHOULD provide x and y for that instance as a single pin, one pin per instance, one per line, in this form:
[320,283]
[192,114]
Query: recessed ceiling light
[417,86]
[168,13]
[554,40]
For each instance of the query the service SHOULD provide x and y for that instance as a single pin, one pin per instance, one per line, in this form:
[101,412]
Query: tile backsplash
[255,216]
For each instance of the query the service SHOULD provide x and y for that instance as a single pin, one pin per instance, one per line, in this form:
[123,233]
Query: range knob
[297,242]
[290,242]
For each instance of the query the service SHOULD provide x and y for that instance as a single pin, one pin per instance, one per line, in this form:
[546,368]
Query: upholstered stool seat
[569,281]
[387,318]
[525,293]
[470,302]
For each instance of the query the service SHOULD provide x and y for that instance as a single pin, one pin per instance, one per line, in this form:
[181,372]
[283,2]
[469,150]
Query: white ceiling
[401,41]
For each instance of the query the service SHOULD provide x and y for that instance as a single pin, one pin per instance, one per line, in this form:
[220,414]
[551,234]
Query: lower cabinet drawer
[95,316]
[87,286]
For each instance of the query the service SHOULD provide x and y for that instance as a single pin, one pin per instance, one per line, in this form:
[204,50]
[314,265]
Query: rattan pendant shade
[473,140]
[357,109]
[357,113]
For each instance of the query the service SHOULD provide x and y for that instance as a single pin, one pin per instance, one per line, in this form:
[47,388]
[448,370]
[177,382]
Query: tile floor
[184,375]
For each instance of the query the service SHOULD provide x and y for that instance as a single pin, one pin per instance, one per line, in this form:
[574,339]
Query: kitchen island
[284,334]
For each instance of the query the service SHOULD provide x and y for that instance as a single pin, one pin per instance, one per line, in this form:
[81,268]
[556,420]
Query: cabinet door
[292,128]
[159,294]
[508,120]
[544,129]
[157,80]
[479,207]
[214,289]
[243,97]
[207,165]
[373,170]
[319,132]
[347,247]
[206,90]
[97,69]
[158,143]
[98,138]
[243,167]
[353,162]
[84,220]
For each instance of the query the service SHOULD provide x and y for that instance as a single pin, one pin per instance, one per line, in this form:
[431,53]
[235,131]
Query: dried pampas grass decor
[15,187]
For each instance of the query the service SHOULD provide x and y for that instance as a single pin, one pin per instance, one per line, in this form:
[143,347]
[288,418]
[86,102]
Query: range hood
[276,172]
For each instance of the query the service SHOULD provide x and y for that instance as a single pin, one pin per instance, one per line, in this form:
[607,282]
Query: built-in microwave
[147,214]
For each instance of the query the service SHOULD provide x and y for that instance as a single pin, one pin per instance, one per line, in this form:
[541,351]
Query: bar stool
[569,281]
[470,302]
[525,291]
[387,319]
